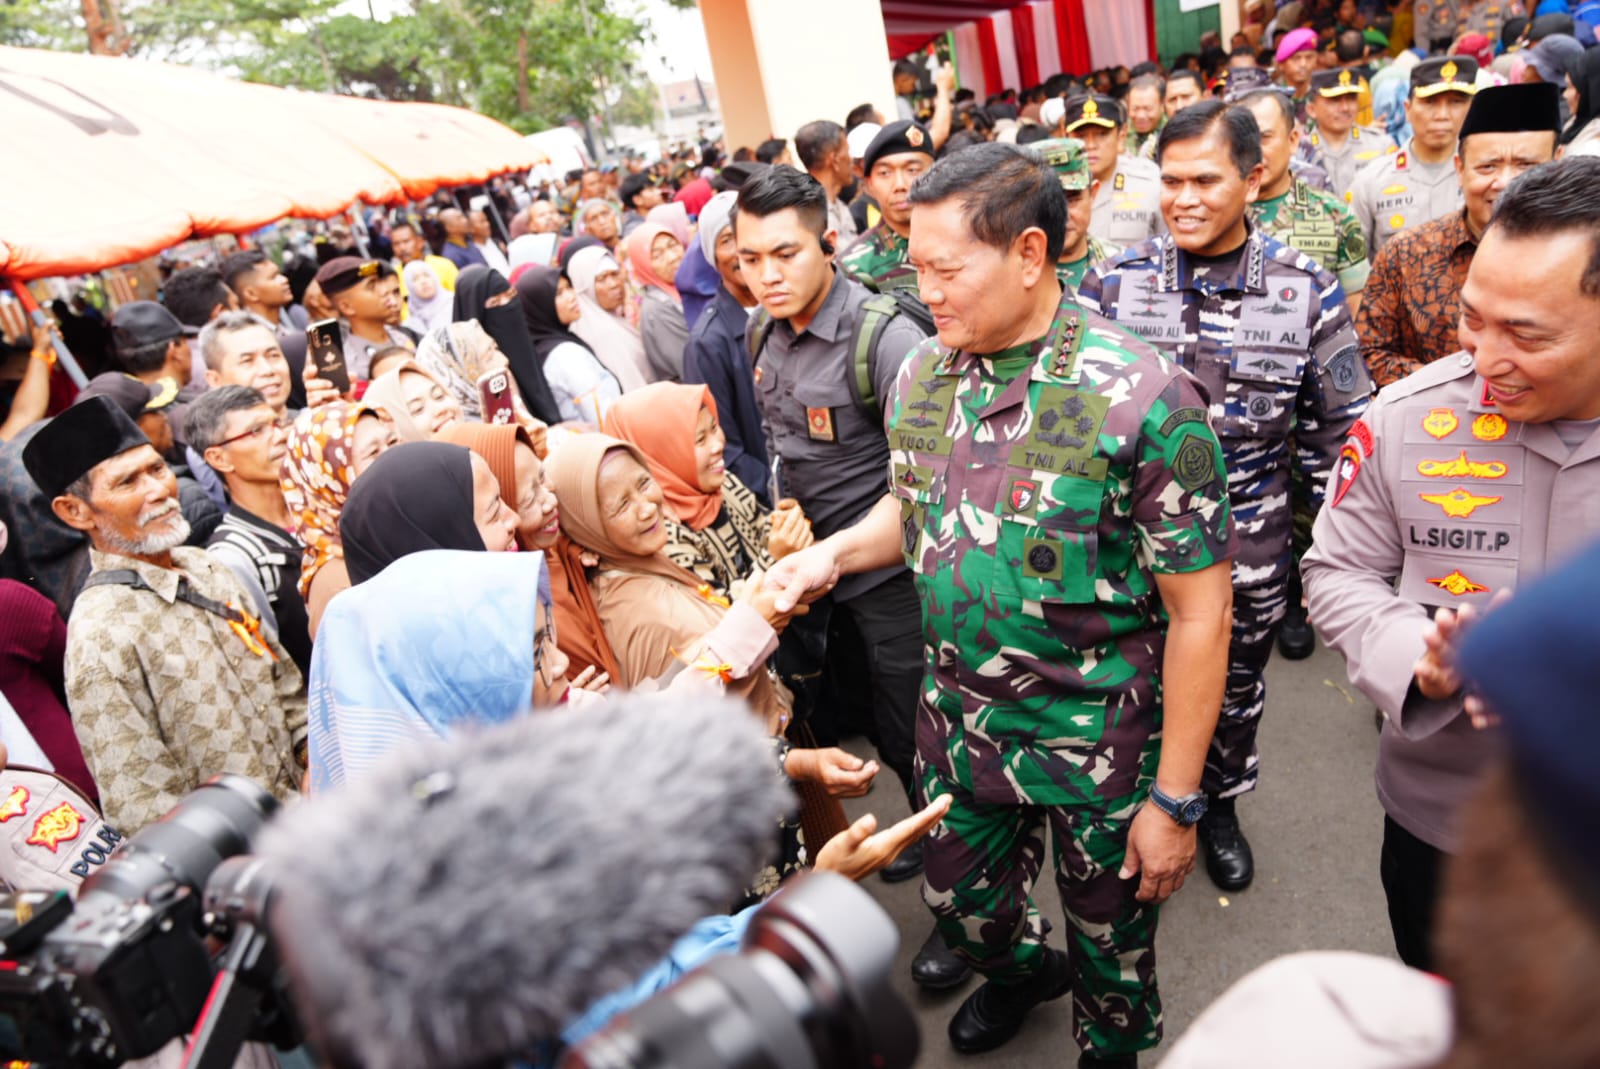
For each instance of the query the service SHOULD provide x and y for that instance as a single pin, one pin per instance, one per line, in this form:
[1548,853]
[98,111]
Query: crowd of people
[1014,437]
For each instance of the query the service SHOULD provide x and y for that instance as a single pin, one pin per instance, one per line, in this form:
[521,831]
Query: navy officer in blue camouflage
[1267,332]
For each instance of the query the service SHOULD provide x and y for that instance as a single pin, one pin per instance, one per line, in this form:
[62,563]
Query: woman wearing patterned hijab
[327,448]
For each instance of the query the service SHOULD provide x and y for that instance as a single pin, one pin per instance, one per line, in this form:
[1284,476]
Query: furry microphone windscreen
[470,897]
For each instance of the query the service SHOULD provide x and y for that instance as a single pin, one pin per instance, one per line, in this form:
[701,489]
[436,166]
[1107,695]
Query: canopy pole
[64,356]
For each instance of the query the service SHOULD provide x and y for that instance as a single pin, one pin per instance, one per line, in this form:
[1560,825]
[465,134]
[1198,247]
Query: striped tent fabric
[1001,45]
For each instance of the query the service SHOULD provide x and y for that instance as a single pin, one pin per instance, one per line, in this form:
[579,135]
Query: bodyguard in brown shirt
[1464,480]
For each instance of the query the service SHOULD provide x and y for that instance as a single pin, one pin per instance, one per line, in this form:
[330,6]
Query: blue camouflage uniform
[1271,341]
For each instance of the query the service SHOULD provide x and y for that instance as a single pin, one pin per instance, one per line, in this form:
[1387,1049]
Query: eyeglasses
[258,432]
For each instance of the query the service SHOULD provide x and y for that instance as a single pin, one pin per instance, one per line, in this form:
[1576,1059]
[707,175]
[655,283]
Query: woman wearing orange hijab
[717,528]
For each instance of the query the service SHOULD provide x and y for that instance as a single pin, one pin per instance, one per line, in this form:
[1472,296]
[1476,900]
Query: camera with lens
[809,989]
[130,965]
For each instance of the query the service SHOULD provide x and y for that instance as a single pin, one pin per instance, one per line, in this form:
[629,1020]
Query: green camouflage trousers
[980,865]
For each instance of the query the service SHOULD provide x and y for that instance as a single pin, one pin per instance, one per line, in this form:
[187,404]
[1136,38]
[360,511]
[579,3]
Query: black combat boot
[1296,640]
[905,867]
[1228,858]
[993,1013]
[936,966]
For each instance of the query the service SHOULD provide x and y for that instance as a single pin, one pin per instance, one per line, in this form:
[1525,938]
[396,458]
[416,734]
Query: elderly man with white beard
[169,678]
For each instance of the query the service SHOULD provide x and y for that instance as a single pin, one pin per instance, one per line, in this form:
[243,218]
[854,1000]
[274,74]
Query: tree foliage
[532,64]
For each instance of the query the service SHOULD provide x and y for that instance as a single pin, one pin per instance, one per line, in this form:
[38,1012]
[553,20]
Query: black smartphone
[325,349]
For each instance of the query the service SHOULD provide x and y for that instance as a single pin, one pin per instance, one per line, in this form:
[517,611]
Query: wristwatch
[1187,810]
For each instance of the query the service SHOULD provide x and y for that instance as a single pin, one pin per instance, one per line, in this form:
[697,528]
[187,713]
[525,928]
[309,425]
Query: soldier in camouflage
[1080,248]
[1268,334]
[1060,495]
[1321,226]
[1307,220]
[1305,162]
[897,157]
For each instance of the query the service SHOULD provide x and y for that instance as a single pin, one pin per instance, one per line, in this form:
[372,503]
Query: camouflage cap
[1247,80]
[1335,83]
[1093,110]
[1065,154]
[1445,74]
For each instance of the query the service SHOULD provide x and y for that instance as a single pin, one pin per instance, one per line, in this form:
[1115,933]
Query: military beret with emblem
[895,139]
[1065,155]
[1093,110]
[1445,74]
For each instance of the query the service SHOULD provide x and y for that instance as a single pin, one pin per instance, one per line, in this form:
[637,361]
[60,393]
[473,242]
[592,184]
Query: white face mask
[3,536]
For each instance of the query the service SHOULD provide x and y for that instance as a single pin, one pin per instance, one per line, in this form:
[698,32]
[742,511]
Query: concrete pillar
[779,64]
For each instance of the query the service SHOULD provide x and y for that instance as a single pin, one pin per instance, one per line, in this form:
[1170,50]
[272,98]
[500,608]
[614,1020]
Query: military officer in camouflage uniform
[1315,223]
[900,153]
[1342,146]
[1418,183]
[1080,248]
[1267,332]
[1060,496]
[1305,163]
[1127,207]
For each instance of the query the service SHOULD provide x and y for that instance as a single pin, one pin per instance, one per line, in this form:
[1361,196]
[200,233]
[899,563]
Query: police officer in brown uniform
[1342,146]
[1418,183]
[1464,480]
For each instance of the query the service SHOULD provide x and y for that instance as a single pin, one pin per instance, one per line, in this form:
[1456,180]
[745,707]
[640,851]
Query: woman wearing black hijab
[583,386]
[485,295]
[419,496]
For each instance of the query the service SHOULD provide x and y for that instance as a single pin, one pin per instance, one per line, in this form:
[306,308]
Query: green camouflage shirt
[1041,491]
[877,259]
[1071,272]
[1321,226]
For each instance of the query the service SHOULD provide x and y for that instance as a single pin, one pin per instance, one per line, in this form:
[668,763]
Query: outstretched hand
[842,774]
[860,850]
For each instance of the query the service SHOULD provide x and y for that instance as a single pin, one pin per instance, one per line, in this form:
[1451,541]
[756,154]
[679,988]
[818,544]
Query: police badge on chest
[819,424]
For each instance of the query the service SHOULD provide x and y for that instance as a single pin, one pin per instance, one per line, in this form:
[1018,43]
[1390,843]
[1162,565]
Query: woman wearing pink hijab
[654,253]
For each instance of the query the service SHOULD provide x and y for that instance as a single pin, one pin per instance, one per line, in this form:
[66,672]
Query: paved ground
[1315,825]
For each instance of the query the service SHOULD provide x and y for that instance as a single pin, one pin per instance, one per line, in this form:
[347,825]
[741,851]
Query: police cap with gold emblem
[1335,83]
[1065,155]
[1093,109]
[897,138]
[1445,74]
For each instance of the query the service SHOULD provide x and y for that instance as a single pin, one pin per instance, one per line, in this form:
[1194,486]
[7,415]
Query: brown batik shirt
[165,694]
[1412,302]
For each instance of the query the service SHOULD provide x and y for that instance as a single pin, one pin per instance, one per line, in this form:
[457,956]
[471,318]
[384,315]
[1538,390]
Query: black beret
[70,445]
[1505,109]
[738,174]
[895,138]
